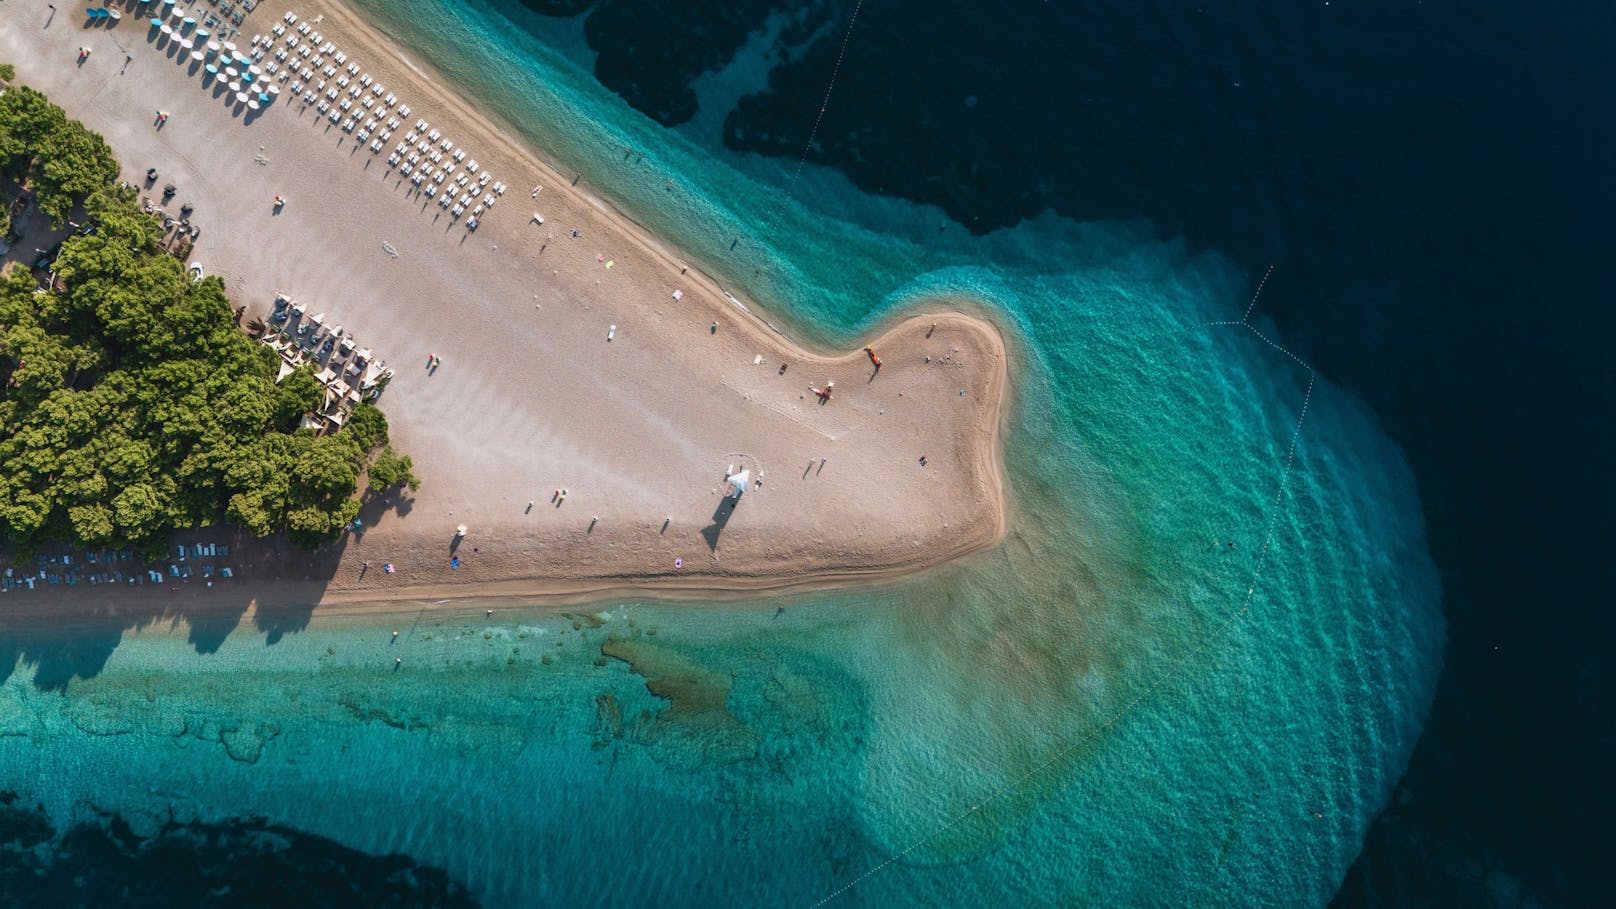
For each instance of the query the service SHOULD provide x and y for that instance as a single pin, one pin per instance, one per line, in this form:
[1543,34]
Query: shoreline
[536,575]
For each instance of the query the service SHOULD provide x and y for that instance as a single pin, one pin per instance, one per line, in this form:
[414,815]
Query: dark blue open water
[1433,181]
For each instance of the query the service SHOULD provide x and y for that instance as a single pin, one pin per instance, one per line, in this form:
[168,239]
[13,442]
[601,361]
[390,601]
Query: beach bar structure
[346,385]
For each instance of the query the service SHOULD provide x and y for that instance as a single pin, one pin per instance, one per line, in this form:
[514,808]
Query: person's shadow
[721,516]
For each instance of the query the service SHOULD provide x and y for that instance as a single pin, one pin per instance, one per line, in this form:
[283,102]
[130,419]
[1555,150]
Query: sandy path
[531,395]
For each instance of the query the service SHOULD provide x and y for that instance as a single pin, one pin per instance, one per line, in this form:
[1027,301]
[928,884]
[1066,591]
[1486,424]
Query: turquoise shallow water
[1139,713]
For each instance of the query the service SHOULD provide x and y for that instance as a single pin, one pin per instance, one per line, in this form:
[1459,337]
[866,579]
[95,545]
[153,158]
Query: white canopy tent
[739,481]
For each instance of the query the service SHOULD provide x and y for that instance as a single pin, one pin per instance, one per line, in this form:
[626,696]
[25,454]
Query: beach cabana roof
[739,481]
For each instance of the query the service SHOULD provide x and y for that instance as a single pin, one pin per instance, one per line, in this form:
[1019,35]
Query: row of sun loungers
[349,98]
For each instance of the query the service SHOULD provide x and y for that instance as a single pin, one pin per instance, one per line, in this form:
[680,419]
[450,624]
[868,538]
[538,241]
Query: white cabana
[739,482]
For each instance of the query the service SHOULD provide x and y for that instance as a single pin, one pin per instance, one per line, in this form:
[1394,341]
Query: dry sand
[531,396]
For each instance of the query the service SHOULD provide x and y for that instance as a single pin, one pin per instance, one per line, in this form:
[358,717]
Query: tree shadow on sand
[93,619]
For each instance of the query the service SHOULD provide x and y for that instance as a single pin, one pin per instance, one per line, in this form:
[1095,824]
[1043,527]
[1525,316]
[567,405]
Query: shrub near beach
[54,157]
[132,405]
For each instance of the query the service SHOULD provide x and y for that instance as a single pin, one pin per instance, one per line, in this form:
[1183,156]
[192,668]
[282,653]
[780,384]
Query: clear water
[1096,712]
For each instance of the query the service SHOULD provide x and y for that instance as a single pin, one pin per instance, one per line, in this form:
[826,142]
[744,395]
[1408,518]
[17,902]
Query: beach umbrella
[241,97]
[187,44]
[255,70]
[213,47]
[197,56]
[253,105]
[92,12]
[263,99]
[231,72]
[739,481]
[202,34]
[115,16]
[246,78]
[235,87]
[177,15]
[211,69]
[230,46]
[189,22]
[156,22]
[167,30]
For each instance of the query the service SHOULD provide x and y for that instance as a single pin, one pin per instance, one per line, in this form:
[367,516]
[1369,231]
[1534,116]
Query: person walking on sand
[126,61]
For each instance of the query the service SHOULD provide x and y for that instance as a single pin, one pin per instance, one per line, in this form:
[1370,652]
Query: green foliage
[368,427]
[57,158]
[132,405]
[298,394]
[390,469]
[8,73]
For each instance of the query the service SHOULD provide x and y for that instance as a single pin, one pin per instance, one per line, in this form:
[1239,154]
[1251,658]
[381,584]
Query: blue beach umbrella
[94,13]
[156,23]
[246,78]
[211,69]
[203,34]
[189,22]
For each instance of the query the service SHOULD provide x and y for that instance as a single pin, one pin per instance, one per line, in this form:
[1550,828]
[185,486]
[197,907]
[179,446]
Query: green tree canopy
[57,158]
[131,404]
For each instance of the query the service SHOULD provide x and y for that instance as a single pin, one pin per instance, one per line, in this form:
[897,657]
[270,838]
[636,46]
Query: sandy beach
[566,361]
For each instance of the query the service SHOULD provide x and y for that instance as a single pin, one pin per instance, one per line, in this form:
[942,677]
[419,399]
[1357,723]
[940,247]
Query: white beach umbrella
[739,481]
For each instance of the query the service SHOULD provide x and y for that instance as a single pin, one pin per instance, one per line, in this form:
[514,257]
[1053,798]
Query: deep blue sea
[1302,599]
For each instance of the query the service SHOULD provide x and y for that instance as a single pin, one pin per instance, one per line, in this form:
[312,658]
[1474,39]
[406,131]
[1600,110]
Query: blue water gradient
[1186,677]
